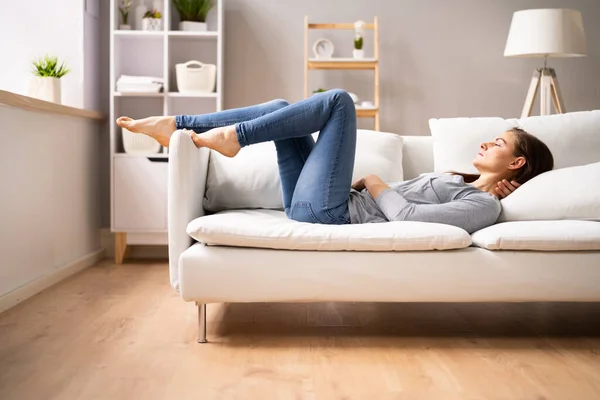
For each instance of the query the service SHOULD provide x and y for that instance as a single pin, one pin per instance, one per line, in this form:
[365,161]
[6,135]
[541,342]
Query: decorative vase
[44,88]
[140,10]
[358,53]
[125,27]
[152,24]
[192,26]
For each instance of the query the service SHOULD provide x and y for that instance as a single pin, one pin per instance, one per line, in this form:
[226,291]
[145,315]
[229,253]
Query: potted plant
[358,51]
[45,85]
[152,21]
[193,14]
[124,9]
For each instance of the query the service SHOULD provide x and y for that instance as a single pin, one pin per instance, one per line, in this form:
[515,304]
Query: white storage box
[140,144]
[196,77]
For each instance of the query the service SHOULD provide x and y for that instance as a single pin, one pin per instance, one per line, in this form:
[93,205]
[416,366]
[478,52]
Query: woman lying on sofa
[316,178]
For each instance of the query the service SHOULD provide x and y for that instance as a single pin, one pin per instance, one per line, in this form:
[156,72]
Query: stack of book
[139,84]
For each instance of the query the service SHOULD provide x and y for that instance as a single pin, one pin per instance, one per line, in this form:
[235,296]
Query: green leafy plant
[319,90]
[152,14]
[193,10]
[358,42]
[124,9]
[47,66]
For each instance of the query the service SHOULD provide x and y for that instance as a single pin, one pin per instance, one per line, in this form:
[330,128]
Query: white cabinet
[140,201]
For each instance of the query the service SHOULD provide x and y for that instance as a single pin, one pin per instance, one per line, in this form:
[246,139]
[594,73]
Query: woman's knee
[303,211]
[278,104]
[341,96]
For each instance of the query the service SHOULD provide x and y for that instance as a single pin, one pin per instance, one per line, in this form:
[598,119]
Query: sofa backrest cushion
[251,179]
[573,138]
[417,156]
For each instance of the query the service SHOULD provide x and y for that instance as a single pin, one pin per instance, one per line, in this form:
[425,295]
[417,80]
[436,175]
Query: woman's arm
[471,213]
[374,185]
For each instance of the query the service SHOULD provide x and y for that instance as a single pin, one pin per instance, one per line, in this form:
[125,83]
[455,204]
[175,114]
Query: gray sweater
[436,197]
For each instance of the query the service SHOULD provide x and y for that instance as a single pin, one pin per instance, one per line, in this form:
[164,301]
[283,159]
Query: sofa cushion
[565,193]
[540,235]
[251,179]
[272,229]
[572,137]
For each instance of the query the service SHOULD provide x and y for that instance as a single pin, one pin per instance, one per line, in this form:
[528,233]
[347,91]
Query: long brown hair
[538,158]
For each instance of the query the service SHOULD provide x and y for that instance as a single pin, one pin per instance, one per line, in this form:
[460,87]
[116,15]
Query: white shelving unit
[139,182]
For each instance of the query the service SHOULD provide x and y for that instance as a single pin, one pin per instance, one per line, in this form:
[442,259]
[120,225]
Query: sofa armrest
[188,167]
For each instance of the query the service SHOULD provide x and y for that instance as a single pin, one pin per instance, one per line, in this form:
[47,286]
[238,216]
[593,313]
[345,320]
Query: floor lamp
[545,33]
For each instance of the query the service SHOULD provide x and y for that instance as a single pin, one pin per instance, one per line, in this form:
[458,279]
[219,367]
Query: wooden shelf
[362,112]
[346,63]
[342,63]
[345,26]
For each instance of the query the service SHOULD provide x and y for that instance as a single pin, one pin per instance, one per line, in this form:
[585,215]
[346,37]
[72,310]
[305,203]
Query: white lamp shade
[546,33]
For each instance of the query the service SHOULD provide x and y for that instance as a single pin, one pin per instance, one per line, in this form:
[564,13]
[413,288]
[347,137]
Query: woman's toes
[124,122]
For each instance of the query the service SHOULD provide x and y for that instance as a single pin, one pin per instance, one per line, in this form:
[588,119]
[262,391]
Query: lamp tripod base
[544,79]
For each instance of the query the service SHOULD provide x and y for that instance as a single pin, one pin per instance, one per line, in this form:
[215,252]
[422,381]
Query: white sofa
[243,256]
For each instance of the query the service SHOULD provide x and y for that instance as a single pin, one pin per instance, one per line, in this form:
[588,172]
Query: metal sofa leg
[201,322]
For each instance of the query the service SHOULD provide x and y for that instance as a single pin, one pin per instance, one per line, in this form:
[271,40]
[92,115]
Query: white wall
[439,58]
[33,28]
[50,203]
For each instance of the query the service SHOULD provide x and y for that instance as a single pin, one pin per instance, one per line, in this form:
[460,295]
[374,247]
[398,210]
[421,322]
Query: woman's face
[497,156]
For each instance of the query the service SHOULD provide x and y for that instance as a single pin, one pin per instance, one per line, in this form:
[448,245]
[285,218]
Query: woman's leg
[291,153]
[204,122]
[322,186]
[162,127]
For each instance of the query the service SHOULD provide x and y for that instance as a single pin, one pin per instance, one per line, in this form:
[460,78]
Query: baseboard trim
[32,288]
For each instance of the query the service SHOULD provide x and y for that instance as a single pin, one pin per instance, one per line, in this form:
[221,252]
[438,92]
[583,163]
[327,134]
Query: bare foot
[224,140]
[158,128]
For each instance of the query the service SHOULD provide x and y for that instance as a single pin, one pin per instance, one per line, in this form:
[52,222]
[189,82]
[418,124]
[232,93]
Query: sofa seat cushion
[563,235]
[272,229]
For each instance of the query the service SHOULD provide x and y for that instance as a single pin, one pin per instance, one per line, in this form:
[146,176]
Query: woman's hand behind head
[504,188]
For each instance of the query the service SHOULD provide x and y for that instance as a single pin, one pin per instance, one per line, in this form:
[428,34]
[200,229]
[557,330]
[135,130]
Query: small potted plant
[152,21]
[45,85]
[124,9]
[358,51]
[192,14]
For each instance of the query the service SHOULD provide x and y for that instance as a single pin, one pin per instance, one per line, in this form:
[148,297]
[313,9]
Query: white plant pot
[152,24]
[192,26]
[138,143]
[196,77]
[358,53]
[44,88]
[125,27]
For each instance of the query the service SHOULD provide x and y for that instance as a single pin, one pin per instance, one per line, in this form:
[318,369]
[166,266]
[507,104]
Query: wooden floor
[121,332]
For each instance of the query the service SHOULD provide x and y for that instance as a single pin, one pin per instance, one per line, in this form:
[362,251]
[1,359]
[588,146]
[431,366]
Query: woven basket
[138,143]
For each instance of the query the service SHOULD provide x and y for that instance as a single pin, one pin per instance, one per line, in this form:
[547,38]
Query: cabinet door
[140,194]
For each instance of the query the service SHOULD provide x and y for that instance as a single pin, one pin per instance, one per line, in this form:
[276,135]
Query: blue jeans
[315,177]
